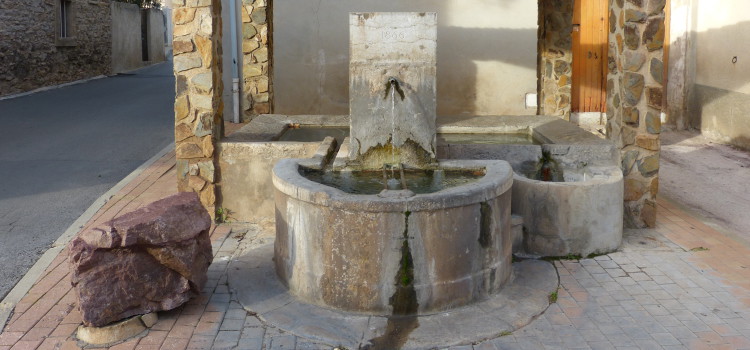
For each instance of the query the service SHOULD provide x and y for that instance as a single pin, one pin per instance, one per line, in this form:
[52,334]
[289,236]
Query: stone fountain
[381,242]
[394,251]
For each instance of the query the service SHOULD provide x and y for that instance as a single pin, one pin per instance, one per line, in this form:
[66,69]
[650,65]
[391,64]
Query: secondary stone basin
[581,215]
[394,252]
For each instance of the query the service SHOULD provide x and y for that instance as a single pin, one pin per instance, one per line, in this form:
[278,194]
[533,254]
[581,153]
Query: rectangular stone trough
[247,157]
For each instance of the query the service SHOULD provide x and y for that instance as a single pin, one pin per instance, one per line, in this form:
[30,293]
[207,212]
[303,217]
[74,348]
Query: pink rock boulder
[152,259]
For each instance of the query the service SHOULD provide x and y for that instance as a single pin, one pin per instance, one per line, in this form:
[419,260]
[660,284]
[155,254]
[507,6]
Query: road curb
[52,87]
[27,281]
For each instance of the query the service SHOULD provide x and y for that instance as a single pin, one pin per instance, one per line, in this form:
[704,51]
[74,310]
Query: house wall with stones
[198,105]
[634,90]
[34,55]
[555,57]
[709,69]
[634,100]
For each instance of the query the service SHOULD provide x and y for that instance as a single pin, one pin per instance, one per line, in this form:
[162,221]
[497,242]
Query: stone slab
[252,278]
[116,332]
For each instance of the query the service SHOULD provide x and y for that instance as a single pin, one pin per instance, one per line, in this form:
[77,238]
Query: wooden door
[590,35]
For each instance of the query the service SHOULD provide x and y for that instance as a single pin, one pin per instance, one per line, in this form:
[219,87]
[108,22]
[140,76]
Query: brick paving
[682,285]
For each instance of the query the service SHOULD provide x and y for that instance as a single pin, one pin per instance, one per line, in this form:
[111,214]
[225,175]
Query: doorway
[590,37]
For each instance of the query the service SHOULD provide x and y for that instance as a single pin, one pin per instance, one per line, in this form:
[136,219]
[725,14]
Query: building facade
[49,42]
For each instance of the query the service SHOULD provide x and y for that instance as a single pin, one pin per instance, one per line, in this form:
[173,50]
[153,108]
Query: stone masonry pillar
[555,47]
[634,101]
[198,106]
[256,58]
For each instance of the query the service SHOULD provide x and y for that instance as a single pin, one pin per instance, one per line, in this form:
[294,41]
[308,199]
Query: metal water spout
[394,84]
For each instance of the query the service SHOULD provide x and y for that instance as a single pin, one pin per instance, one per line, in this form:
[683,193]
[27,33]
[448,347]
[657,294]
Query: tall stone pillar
[198,105]
[256,53]
[634,100]
[555,47]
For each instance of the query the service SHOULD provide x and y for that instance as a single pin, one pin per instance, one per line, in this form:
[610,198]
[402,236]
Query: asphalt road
[63,148]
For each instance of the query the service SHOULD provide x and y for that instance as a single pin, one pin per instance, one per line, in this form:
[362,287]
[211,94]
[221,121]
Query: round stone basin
[395,252]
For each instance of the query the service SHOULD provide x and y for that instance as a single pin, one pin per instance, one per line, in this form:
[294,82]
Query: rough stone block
[249,44]
[203,82]
[181,107]
[634,60]
[631,116]
[653,123]
[252,70]
[183,15]
[633,88]
[208,146]
[649,166]
[632,15]
[653,35]
[647,141]
[632,36]
[152,259]
[248,30]
[205,48]
[187,150]
[182,46]
[201,101]
[628,159]
[657,70]
[182,131]
[261,55]
[186,61]
[655,7]
[259,15]
[654,97]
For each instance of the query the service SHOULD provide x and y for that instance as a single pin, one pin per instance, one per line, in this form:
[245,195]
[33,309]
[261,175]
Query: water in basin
[488,139]
[315,133]
[372,182]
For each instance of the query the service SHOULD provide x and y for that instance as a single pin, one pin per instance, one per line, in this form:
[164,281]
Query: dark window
[65,19]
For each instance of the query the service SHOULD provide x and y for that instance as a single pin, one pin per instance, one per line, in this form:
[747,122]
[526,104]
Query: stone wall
[198,105]
[555,57]
[126,37]
[256,63]
[634,100]
[32,54]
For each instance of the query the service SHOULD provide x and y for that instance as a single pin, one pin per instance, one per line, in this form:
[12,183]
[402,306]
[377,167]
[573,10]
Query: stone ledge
[116,332]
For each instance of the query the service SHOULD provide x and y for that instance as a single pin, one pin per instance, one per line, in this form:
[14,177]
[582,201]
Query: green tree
[144,4]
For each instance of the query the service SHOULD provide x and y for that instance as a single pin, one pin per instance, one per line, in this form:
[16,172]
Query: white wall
[709,90]
[723,32]
[487,52]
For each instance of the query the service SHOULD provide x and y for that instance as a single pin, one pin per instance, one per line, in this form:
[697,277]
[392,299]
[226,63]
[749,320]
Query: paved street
[63,148]
[681,285]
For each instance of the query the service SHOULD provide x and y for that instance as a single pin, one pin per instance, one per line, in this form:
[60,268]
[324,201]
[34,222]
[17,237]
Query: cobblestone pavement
[681,285]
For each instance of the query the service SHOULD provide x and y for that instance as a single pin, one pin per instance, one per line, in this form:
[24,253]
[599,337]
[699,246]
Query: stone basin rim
[497,180]
[610,174]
